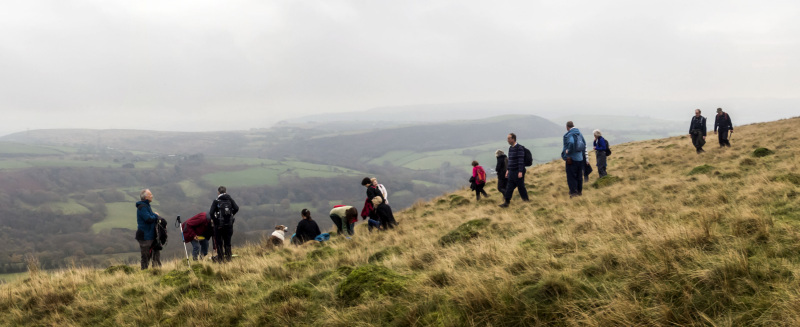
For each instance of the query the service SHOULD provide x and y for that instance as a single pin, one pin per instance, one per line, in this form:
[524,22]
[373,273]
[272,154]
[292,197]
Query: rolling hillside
[669,238]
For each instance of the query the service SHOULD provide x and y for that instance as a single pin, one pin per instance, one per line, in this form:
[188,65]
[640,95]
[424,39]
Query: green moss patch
[465,232]
[383,254]
[287,292]
[175,278]
[457,201]
[702,169]
[762,152]
[606,180]
[370,280]
[321,253]
[790,177]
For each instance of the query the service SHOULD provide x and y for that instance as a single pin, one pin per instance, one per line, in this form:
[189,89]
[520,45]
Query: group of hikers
[217,224]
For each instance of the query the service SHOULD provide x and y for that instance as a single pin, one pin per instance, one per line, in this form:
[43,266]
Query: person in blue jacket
[600,148]
[146,221]
[574,154]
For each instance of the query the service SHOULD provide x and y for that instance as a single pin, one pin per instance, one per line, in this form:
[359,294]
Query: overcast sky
[211,65]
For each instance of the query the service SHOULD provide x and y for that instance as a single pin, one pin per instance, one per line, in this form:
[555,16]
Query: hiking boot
[504,204]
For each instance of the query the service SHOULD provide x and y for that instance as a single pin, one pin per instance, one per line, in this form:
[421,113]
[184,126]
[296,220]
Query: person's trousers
[514,182]
[575,177]
[723,138]
[341,227]
[697,140]
[199,247]
[479,190]
[222,240]
[601,162]
[502,184]
[149,254]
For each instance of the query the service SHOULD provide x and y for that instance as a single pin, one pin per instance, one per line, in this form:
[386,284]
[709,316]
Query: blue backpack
[580,144]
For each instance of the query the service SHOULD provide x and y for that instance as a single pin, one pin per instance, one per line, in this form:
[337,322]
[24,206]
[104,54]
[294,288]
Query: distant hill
[668,238]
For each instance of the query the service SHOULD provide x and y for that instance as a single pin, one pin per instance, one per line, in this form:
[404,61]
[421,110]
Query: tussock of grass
[655,248]
[762,152]
[605,181]
[702,169]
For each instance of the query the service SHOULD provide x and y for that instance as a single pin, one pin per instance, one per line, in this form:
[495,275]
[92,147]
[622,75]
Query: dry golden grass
[661,246]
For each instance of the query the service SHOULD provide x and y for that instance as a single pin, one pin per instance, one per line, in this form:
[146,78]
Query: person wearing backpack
[500,168]
[724,124]
[574,154]
[697,130]
[222,213]
[517,155]
[146,220]
[479,176]
[601,151]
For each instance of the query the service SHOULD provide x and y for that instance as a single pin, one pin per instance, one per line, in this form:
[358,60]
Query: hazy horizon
[207,66]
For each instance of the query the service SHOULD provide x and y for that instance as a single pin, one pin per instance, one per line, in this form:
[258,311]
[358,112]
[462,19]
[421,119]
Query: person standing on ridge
[221,214]
[574,154]
[502,166]
[146,221]
[515,171]
[600,152]
[724,124]
[697,130]
[381,188]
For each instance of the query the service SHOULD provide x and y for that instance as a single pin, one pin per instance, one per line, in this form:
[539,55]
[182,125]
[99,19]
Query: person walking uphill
[479,180]
[500,168]
[601,150]
[222,213]
[724,124]
[574,154]
[146,221]
[697,130]
[516,170]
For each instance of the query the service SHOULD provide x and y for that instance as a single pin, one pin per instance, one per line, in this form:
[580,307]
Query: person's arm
[520,157]
[704,127]
[730,122]
[716,123]
[691,124]
[213,209]
[234,206]
[148,216]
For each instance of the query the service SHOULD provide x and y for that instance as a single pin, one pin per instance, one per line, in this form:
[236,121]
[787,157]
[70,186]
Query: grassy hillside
[670,238]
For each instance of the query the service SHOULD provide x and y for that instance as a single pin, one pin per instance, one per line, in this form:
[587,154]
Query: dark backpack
[224,212]
[608,147]
[528,157]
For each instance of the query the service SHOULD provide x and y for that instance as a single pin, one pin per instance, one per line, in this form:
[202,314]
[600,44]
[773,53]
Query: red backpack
[481,179]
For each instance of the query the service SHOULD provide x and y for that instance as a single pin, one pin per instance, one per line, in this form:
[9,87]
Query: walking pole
[178,222]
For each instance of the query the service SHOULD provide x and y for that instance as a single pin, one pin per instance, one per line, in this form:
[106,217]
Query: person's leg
[338,223]
[477,192]
[580,167]
[523,192]
[218,243]
[483,191]
[195,249]
[601,163]
[227,234]
[350,229]
[501,185]
[721,138]
[203,248]
[156,258]
[144,247]
[571,182]
[696,142]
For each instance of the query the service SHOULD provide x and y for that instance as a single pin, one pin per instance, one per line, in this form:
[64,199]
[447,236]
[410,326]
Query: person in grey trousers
[600,148]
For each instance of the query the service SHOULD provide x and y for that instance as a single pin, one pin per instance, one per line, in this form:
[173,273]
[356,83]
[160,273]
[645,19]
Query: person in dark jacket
[197,230]
[515,171]
[600,147]
[697,130]
[574,155]
[724,124]
[146,221]
[307,229]
[223,228]
[500,168]
[370,209]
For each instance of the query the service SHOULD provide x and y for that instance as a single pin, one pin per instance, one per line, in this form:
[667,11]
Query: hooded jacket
[146,221]
[569,145]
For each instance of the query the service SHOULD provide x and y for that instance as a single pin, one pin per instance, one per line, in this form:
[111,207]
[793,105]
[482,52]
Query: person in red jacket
[197,230]
[478,180]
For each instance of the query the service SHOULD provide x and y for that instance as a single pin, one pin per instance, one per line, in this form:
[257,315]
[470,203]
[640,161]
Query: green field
[119,215]
[270,174]
[235,161]
[17,149]
[192,190]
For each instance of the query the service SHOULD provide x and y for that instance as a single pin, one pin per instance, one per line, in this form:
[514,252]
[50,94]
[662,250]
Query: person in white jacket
[382,189]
